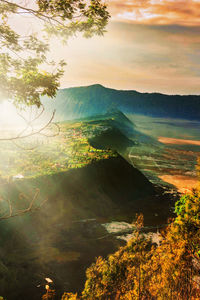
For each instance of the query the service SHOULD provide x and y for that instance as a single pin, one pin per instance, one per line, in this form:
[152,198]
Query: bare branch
[39,131]
[30,122]
[32,207]
[52,135]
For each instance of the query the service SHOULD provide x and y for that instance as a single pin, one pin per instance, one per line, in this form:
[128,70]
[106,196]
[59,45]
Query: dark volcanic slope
[59,241]
[93,191]
[111,139]
[86,101]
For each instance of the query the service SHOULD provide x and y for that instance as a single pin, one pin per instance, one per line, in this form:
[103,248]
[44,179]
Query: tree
[123,274]
[26,74]
[21,57]
[143,271]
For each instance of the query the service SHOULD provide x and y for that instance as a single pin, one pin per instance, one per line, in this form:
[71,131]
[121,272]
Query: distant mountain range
[80,102]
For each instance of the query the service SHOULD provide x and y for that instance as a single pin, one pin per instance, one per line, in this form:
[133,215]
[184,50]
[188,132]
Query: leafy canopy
[22,79]
[140,270]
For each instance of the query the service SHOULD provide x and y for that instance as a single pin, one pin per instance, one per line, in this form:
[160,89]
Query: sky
[150,46]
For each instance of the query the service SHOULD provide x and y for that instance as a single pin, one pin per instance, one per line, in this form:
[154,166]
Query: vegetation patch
[68,150]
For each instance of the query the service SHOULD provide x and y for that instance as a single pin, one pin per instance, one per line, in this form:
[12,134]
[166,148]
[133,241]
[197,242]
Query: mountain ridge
[98,85]
[80,102]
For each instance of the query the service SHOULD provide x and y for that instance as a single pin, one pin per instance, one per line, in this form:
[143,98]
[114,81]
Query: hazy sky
[150,45]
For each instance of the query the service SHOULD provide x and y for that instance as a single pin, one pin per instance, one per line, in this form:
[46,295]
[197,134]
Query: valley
[165,128]
[87,184]
[172,159]
[96,174]
[99,150]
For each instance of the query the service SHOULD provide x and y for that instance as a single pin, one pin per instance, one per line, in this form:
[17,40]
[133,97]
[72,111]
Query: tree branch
[32,207]
[39,131]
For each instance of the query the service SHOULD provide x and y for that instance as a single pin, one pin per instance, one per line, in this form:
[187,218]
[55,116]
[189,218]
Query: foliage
[187,221]
[69,296]
[68,150]
[22,57]
[122,274]
[144,271]
[50,294]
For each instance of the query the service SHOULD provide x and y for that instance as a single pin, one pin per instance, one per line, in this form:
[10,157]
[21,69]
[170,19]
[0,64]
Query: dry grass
[184,184]
[174,141]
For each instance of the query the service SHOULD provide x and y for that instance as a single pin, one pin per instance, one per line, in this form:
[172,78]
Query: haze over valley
[99,150]
[117,153]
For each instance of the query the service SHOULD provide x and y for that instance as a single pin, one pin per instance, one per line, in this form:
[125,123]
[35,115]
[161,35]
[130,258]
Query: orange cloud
[181,12]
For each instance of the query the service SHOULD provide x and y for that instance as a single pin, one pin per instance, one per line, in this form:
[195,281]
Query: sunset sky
[149,46]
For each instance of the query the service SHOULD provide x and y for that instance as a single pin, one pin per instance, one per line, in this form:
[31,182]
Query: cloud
[162,12]
[162,58]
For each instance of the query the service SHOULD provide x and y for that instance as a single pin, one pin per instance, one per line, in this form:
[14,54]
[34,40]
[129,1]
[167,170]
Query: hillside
[113,130]
[86,185]
[63,238]
[95,99]
[111,139]
[168,269]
